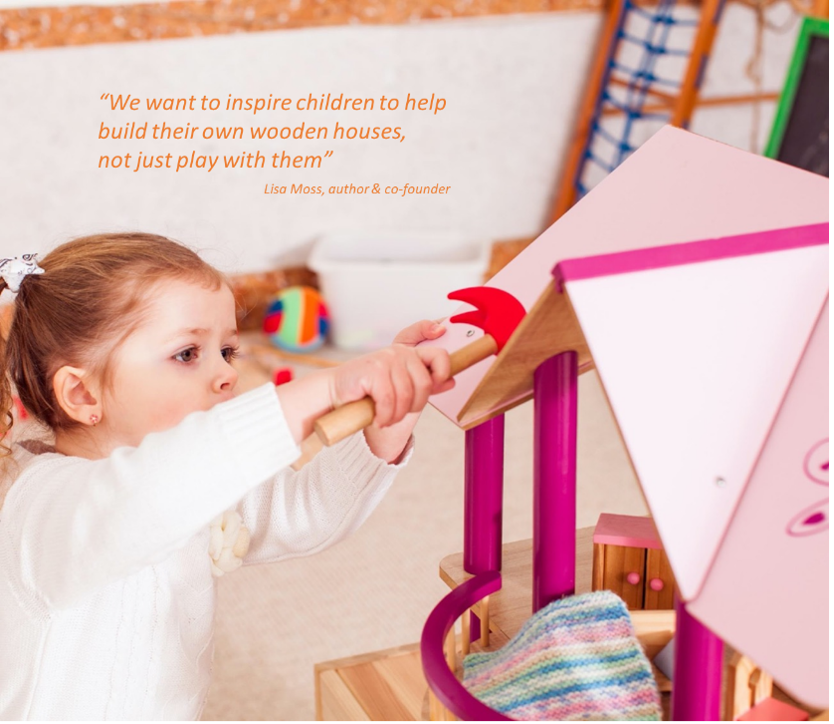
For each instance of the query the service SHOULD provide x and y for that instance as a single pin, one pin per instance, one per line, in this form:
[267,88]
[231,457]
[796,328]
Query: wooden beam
[704,38]
[606,46]
[703,103]
[85,24]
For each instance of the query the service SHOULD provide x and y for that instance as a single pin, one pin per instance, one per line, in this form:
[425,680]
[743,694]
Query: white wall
[512,86]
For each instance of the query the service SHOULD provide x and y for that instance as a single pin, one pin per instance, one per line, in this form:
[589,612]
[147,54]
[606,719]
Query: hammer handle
[356,416]
[473,353]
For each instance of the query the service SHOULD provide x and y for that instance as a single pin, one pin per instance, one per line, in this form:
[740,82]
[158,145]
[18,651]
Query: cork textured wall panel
[44,27]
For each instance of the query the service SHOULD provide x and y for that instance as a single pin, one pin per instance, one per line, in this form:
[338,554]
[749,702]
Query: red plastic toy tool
[497,312]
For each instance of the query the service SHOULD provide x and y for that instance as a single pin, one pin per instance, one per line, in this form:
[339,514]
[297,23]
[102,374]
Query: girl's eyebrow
[198,331]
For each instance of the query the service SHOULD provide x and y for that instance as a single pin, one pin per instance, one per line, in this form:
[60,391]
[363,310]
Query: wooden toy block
[771,709]
[381,686]
[629,560]
[746,686]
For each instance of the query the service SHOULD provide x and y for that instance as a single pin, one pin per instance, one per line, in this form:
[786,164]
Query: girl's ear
[76,395]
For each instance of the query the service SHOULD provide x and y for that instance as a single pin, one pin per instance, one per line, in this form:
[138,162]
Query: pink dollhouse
[694,279]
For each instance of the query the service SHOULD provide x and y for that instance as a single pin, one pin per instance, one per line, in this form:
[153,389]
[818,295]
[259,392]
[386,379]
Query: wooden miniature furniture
[629,560]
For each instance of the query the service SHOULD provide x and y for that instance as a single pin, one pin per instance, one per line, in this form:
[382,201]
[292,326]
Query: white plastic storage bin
[376,284]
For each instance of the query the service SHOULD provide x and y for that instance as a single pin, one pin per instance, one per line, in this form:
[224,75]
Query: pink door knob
[656,584]
[633,578]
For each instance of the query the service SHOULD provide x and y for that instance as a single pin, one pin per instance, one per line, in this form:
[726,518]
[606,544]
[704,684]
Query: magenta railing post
[483,495]
[699,661]
[554,479]
[441,679]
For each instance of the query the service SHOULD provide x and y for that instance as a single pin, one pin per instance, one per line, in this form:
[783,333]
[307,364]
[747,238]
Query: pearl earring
[94,420]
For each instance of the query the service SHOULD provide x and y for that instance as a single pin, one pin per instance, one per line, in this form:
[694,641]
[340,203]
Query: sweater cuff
[358,462]
[259,437]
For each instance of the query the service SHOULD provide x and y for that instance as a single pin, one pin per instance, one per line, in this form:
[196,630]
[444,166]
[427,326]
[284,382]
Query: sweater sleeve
[77,523]
[302,512]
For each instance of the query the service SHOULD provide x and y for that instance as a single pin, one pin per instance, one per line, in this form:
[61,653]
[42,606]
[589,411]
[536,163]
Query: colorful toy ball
[297,319]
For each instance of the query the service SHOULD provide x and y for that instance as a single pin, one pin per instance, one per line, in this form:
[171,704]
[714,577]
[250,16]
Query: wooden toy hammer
[497,312]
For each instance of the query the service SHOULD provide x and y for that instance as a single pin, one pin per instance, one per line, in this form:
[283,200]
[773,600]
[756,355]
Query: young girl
[160,476]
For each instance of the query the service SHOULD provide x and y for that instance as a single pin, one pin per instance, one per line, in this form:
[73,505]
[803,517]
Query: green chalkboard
[800,132]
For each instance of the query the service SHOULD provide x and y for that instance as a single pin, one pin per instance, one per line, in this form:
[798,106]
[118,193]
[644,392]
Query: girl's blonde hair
[91,296]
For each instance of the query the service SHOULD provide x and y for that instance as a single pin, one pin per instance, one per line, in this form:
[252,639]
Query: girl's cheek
[167,411]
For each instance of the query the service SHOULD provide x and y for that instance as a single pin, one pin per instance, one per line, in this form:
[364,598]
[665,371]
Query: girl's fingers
[438,362]
[400,380]
[418,332]
[382,391]
[435,330]
[413,333]
[422,383]
[403,389]
[444,386]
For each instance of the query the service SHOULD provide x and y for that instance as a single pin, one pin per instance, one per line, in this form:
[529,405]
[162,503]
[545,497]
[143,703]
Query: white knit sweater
[106,591]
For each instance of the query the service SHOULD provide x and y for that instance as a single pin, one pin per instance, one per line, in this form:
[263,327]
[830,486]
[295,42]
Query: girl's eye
[187,355]
[230,353]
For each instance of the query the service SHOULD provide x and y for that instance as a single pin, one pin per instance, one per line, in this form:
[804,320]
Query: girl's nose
[226,378]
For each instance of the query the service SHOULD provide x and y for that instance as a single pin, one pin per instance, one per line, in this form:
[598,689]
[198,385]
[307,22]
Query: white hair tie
[13,270]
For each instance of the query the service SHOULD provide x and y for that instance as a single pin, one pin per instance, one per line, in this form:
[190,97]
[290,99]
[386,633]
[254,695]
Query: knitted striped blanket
[575,659]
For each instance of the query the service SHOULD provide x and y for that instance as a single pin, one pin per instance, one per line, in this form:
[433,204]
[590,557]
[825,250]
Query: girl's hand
[399,378]
[430,375]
